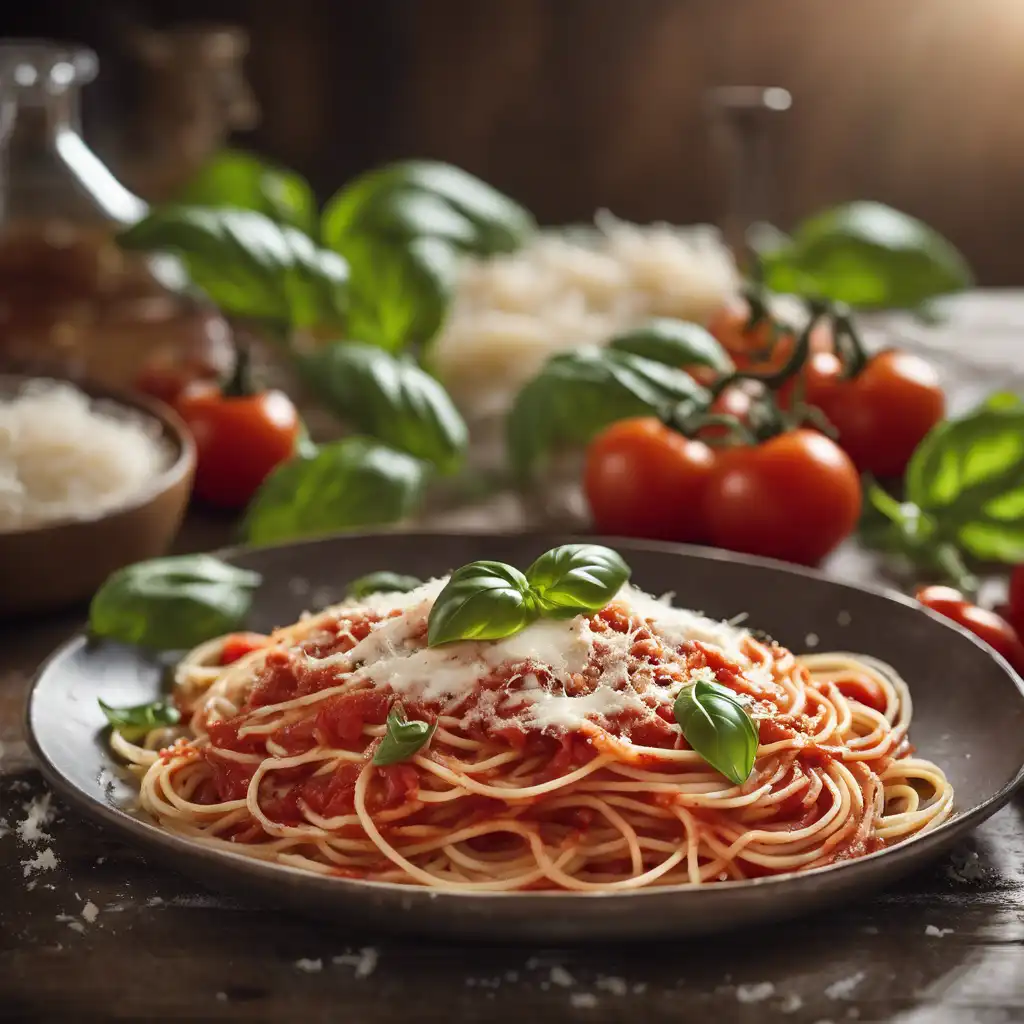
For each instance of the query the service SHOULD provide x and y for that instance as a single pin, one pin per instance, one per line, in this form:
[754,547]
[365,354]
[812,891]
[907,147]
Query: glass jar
[72,303]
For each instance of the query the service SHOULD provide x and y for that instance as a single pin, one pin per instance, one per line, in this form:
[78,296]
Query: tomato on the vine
[764,346]
[986,625]
[793,497]
[883,413]
[644,479]
[240,436]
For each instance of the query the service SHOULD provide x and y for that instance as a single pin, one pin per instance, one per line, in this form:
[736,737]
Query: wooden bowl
[57,564]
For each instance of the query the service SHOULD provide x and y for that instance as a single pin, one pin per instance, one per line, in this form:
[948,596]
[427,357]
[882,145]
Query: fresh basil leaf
[576,578]
[172,603]
[390,398]
[866,254]
[369,203]
[135,722]
[579,393]
[968,476]
[674,343]
[403,738]
[1003,400]
[718,727]
[382,582]
[248,265]
[400,291]
[481,601]
[234,178]
[348,484]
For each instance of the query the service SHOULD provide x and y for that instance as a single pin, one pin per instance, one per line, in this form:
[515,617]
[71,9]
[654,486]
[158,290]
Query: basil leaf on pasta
[576,578]
[135,722]
[718,727]
[481,601]
[403,738]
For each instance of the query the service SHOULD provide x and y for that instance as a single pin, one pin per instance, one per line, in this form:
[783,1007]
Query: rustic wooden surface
[103,935]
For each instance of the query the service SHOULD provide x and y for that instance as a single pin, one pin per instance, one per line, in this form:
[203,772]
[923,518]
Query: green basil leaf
[389,398]
[172,603]
[968,476]
[1002,400]
[352,483]
[400,291]
[234,178]
[368,203]
[403,738]
[576,578]
[675,343]
[382,582]
[718,727]
[248,265]
[135,722]
[481,601]
[577,394]
[866,254]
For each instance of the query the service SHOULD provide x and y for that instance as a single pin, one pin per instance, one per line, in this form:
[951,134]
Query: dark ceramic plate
[968,716]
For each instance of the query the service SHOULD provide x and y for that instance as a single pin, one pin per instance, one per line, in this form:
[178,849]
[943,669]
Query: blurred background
[579,104]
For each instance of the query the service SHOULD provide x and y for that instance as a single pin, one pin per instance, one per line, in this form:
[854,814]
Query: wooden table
[105,935]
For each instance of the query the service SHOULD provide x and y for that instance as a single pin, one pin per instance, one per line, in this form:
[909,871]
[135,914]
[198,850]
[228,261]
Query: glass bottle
[72,303]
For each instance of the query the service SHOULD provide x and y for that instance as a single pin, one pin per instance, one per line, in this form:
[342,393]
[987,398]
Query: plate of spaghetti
[541,738]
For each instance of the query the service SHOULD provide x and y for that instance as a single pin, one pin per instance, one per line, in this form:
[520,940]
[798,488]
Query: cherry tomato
[643,479]
[794,497]
[1015,607]
[753,349]
[984,624]
[883,413]
[736,400]
[239,440]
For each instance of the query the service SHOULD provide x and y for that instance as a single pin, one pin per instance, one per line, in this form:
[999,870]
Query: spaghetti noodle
[556,763]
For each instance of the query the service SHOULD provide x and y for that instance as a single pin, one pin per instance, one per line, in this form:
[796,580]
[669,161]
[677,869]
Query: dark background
[570,105]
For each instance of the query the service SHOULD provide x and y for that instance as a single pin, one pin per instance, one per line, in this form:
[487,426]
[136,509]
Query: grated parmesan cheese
[394,655]
[37,815]
[64,456]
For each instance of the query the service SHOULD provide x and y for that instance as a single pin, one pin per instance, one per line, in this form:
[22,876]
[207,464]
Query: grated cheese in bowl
[65,456]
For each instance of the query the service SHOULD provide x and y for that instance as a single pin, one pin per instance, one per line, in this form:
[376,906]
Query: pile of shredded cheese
[64,456]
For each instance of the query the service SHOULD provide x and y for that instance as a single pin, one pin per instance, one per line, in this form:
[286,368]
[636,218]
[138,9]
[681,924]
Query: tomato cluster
[785,491]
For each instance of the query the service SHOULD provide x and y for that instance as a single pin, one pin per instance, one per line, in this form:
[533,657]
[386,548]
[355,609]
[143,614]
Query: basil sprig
[403,738]
[489,600]
[718,727]
[963,493]
[864,254]
[135,722]
[249,265]
[390,398]
[172,604]
[382,582]
[347,484]
[577,394]
[674,343]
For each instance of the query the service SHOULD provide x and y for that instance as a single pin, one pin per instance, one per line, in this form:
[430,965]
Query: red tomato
[984,624]
[883,413]
[643,479]
[736,400]
[794,497]
[1015,607]
[754,349]
[239,440]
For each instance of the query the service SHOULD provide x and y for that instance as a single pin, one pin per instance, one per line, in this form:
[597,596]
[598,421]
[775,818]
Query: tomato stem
[848,344]
[239,384]
[950,561]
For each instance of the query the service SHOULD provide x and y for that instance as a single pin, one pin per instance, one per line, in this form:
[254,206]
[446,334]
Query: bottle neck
[38,122]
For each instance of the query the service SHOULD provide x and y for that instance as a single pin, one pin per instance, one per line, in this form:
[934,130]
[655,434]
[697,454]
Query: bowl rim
[172,426]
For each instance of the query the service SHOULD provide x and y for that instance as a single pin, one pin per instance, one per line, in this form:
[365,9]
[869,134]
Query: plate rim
[149,835]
